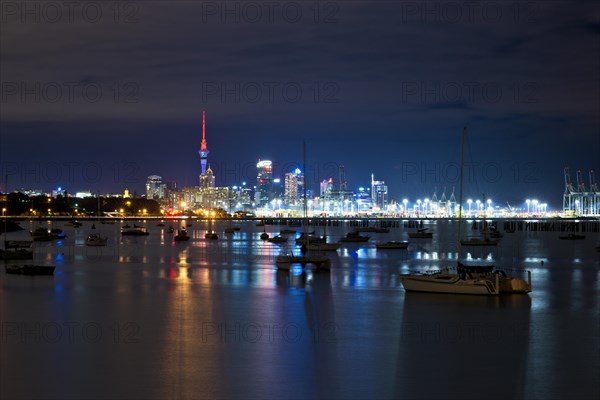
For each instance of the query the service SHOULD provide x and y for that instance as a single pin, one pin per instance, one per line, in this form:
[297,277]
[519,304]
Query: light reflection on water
[195,310]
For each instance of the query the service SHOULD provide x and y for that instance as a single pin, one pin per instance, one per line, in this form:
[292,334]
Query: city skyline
[104,116]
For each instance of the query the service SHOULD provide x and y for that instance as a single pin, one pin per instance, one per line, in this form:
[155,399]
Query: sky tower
[203,148]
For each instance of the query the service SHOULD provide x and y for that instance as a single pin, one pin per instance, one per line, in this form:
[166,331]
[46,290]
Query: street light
[469,201]
[405,202]
[478,203]
[528,202]
[4,212]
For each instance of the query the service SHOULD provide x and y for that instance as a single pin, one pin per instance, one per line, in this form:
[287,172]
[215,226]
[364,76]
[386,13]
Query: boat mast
[5,213]
[460,197]
[304,189]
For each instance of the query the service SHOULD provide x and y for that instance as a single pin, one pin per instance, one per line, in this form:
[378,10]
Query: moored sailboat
[468,279]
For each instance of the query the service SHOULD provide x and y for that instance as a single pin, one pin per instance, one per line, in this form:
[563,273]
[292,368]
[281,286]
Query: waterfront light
[528,202]
[469,202]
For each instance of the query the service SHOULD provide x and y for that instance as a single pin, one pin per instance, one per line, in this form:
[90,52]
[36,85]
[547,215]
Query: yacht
[475,280]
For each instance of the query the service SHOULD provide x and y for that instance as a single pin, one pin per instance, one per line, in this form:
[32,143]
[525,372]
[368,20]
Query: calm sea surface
[148,318]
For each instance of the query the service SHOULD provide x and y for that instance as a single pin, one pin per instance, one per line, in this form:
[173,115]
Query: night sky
[99,95]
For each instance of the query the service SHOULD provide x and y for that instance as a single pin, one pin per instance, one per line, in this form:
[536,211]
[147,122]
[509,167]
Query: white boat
[392,245]
[95,240]
[444,282]
[474,280]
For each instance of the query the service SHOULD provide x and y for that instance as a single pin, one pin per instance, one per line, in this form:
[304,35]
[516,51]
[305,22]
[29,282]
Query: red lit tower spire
[203,147]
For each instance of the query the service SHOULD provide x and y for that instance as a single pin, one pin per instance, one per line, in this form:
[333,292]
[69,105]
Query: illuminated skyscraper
[155,189]
[203,146]
[294,187]
[379,193]
[264,182]
[207,180]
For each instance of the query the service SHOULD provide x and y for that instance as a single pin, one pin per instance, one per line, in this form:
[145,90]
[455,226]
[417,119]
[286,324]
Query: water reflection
[483,339]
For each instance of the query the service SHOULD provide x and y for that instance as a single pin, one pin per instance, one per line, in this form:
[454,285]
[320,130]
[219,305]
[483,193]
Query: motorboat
[95,240]
[392,245]
[29,269]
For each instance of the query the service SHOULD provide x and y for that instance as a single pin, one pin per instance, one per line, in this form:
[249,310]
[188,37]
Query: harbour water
[145,317]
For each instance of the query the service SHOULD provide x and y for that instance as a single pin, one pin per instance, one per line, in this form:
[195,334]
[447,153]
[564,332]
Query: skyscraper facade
[155,189]
[379,194]
[264,182]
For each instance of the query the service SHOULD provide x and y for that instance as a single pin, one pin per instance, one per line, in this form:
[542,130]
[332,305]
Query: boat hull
[448,284]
